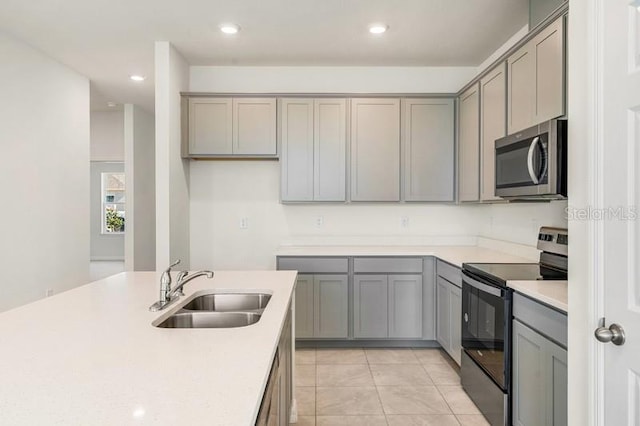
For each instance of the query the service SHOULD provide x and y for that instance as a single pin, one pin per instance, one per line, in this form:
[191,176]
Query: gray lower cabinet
[304,306]
[322,306]
[539,364]
[428,149]
[330,306]
[370,306]
[449,312]
[387,306]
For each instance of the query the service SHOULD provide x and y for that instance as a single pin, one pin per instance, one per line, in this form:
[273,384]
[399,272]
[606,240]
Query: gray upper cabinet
[210,126]
[254,126]
[331,295]
[469,145]
[536,81]
[548,47]
[428,149]
[313,143]
[493,117]
[405,306]
[330,150]
[296,160]
[370,313]
[375,150]
[228,127]
[304,306]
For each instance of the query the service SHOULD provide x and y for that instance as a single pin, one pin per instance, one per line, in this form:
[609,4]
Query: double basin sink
[219,310]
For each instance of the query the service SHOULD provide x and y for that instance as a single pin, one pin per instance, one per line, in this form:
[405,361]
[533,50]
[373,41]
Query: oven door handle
[482,287]
[532,173]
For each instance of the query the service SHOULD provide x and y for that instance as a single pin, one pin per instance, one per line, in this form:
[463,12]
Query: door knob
[613,334]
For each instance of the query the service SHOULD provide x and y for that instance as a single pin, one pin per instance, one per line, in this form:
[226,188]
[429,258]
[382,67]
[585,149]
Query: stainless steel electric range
[486,321]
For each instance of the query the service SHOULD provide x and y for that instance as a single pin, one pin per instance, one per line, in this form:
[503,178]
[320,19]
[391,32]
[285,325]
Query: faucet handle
[179,278]
[165,279]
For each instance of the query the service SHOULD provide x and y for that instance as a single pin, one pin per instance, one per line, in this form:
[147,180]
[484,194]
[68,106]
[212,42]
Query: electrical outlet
[404,222]
[244,223]
[319,221]
[48,292]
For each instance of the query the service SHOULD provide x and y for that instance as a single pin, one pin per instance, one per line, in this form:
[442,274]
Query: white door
[620,255]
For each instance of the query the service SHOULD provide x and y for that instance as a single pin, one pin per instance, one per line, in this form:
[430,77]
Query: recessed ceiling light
[229,28]
[378,28]
[111,104]
[137,77]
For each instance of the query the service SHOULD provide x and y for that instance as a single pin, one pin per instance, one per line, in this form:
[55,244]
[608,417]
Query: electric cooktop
[500,273]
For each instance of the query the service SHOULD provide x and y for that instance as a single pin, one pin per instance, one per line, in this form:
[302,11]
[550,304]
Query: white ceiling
[107,40]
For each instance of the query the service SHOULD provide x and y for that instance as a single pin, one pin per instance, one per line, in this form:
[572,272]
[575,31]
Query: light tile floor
[371,387]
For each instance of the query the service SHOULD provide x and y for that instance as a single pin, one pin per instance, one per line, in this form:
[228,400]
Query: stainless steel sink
[182,319]
[227,302]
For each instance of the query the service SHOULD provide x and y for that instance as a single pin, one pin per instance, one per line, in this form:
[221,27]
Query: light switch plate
[244,223]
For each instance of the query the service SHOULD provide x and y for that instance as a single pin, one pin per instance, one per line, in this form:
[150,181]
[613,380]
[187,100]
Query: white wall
[107,136]
[140,236]
[44,166]
[103,246]
[223,192]
[172,172]
[330,79]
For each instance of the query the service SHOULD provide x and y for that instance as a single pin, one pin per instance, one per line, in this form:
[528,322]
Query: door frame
[586,186]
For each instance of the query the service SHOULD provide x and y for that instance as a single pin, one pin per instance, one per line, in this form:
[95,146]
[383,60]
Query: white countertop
[553,293]
[90,356]
[456,255]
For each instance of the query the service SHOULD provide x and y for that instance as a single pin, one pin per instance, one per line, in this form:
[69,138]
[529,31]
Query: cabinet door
[330,150]
[254,126]
[330,306]
[520,90]
[375,150]
[210,126]
[304,306]
[469,156]
[556,390]
[370,310]
[443,313]
[529,376]
[548,50]
[455,299]
[493,113]
[429,299]
[405,306]
[428,149]
[296,160]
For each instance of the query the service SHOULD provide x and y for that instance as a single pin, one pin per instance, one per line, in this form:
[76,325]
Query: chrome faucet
[167,295]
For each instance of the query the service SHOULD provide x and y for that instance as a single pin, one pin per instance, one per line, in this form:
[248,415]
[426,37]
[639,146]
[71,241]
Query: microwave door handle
[532,173]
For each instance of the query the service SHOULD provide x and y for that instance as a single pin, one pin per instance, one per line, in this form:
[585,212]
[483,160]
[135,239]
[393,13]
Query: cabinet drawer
[311,265]
[388,265]
[546,321]
[451,273]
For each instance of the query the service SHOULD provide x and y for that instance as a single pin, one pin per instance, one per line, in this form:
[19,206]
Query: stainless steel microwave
[532,164]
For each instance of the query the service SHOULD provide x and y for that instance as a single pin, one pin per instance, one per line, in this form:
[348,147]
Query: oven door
[522,166]
[485,333]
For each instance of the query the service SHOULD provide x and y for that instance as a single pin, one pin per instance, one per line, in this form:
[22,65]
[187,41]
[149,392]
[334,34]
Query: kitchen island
[92,356]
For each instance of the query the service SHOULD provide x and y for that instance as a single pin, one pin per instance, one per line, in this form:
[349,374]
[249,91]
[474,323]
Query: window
[113,203]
